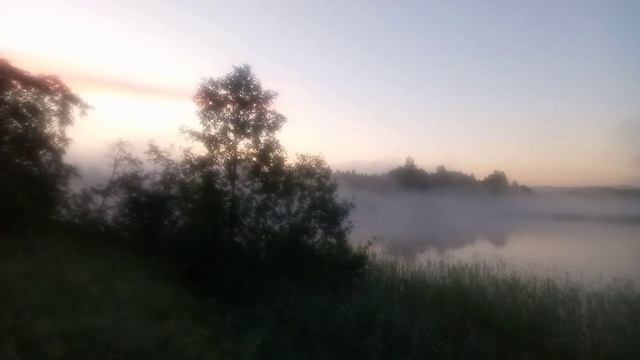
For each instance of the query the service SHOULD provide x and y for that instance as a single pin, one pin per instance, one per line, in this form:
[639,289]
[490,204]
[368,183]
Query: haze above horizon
[548,92]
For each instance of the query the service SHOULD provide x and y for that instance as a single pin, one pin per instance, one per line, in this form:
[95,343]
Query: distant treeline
[606,191]
[413,178]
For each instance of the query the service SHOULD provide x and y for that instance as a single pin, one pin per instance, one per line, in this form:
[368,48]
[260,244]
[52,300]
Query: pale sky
[548,91]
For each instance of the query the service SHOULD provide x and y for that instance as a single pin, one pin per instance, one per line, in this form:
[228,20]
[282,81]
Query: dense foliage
[35,110]
[237,212]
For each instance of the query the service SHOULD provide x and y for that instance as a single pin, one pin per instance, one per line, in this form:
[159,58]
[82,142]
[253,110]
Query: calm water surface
[597,247]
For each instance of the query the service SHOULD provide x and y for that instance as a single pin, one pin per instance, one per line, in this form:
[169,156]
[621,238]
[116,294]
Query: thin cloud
[90,81]
[80,78]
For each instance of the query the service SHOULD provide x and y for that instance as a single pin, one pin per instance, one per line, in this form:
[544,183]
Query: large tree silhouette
[238,125]
[35,110]
[285,216]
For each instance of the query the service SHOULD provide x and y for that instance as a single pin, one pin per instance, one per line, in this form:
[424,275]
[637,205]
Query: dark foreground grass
[83,300]
[72,299]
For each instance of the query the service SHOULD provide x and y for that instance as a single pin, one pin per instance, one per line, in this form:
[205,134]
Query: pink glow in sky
[548,93]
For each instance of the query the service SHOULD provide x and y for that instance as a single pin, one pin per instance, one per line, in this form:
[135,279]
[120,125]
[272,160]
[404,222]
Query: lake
[586,238]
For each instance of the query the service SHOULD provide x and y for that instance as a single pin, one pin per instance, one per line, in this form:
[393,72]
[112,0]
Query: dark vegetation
[77,298]
[410,177]
[232,217]
[34,113]
[232,251]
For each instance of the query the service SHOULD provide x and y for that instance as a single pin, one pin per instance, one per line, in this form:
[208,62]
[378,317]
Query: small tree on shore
[238,126]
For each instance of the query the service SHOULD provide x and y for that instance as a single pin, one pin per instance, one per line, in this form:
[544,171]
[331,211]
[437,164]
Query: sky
[547,91]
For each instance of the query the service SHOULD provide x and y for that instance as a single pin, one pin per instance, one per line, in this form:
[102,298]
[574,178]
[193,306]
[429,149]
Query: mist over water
[584,236]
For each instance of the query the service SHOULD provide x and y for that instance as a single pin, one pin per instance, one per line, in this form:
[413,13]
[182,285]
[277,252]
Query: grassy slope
[82,300]
[72,300]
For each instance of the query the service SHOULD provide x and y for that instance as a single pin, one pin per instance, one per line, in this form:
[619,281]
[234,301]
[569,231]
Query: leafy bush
[237,216]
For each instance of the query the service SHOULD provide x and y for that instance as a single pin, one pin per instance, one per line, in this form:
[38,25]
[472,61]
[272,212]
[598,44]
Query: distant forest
[410,177]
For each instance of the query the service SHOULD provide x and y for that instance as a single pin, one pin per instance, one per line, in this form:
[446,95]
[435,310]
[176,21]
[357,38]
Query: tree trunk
[233,210]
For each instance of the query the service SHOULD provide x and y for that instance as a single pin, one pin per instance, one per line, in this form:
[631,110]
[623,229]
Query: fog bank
[411,222]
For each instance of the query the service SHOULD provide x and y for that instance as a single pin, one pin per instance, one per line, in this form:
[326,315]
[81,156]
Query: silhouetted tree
[496,182]
[238,125]
[520,189]
[410,176]
[447,179]
[303,227]
[35,111]
[96,206]
[125,168]
[277,212]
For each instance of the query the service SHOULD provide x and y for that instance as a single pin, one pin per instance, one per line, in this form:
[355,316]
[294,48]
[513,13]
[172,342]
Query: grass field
[82,299]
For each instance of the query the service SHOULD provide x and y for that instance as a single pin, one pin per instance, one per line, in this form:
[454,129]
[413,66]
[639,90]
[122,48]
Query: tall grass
[484,310]
[73,299]
[449,310]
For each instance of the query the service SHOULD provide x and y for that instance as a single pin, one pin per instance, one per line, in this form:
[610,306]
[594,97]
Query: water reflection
[564,236]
